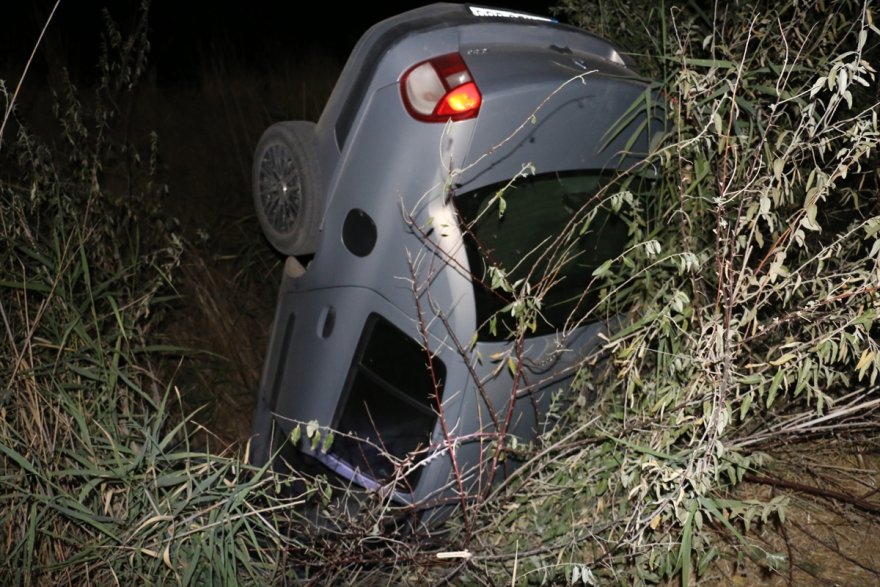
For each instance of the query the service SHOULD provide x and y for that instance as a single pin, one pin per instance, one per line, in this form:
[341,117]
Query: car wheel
[286,187]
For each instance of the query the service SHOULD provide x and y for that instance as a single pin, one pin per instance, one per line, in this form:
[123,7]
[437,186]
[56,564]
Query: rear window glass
[389,404]
[554,228]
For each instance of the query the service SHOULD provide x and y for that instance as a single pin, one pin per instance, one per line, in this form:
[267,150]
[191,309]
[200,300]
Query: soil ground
[830,537]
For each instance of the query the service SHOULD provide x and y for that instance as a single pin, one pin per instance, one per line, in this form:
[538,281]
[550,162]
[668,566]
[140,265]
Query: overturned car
[443,222]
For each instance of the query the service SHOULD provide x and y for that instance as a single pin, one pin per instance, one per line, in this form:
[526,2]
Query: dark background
[185,33]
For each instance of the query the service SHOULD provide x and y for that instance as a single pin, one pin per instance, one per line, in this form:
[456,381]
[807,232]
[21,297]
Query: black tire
[286,184]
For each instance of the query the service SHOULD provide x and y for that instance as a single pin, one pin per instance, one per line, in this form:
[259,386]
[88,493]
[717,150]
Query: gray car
[439,260]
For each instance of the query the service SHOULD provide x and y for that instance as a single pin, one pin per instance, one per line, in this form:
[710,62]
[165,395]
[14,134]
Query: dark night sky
[184,32]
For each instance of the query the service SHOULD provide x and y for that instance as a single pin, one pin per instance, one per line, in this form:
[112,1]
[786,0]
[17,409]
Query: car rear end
[393,336]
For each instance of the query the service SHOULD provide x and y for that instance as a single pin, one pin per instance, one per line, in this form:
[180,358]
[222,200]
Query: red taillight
[440,89]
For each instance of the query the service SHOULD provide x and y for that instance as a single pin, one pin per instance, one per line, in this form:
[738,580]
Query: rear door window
[389,403]
[549,229]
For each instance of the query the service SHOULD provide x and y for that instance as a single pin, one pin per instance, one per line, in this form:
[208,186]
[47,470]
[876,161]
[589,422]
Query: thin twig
[858,502]
[27,66]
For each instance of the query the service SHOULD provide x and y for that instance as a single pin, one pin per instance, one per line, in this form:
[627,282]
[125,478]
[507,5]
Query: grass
[99,481]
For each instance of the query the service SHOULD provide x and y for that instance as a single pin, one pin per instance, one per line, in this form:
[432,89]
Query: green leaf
[685,551]
[18,458]
[602,269]
[745,405]
[328,441]
[809,219]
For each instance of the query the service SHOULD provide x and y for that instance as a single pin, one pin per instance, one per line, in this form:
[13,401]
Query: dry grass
[226,322]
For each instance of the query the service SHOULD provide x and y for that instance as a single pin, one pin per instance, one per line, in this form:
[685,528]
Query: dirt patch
[831,535]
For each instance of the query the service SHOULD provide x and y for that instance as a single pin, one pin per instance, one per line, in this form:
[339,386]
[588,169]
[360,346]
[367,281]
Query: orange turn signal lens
[464,98]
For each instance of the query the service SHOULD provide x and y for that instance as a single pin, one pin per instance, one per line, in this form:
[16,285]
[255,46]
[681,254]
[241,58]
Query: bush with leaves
[750,287]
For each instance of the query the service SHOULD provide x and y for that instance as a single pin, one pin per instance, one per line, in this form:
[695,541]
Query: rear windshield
[555,228]
[389,401]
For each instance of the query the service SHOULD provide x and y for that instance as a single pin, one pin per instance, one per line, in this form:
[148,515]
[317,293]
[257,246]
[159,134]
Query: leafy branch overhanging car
[458,149]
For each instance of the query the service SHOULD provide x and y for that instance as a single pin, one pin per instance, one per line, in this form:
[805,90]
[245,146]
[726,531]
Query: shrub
[98,484]
[750,290]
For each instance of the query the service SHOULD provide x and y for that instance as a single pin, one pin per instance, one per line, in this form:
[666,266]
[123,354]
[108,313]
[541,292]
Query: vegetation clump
[98,484]
[750,288]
